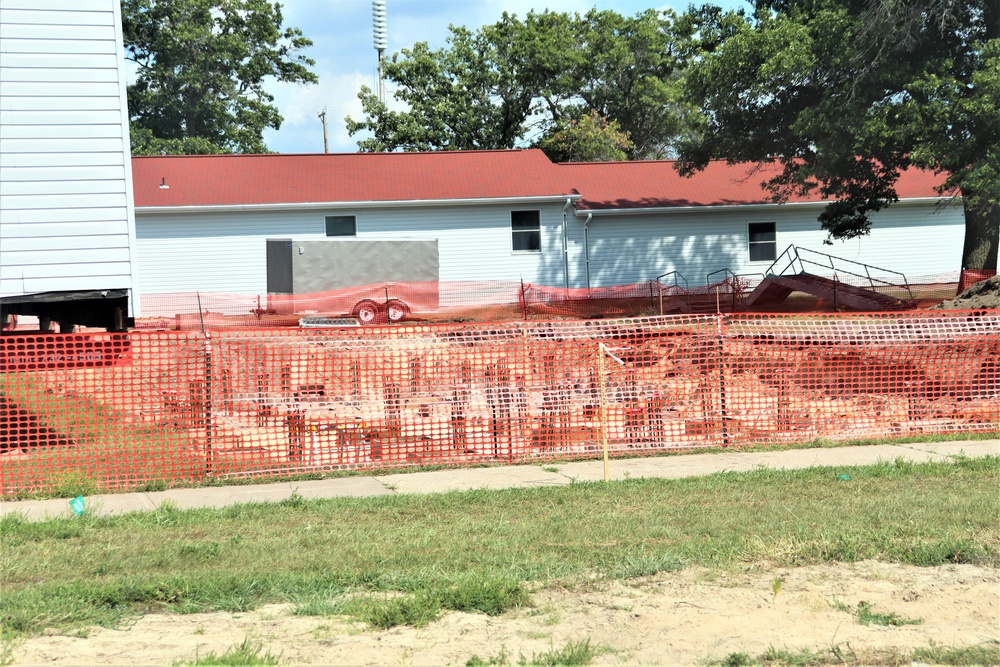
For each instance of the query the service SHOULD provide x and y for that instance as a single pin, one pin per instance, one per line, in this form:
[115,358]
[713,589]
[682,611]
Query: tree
[846,94]
[467,96]
[589,138]
[202,69]
[517,82]
[631,73]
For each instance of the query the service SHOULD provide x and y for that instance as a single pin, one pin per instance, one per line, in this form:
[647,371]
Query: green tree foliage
[589,138]
[202,69]
[520,81]
[845,94]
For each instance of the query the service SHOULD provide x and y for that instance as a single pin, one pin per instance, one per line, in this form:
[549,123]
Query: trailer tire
[397,310]
[368,312]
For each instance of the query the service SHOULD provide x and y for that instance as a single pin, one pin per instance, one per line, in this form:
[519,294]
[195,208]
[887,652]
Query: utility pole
[326,144]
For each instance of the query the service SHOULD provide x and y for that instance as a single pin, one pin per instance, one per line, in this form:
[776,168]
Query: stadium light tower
[381,41]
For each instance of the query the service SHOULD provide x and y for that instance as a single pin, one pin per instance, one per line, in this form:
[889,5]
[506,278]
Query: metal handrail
[676,275]
[726,273]
[730,274]
[733,280]
[836,264]
[793,255]
[685,291]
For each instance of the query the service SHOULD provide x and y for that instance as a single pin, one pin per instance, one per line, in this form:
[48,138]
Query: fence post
[209,426]
[209,454]
[602,384]
[720,349]
[602,350]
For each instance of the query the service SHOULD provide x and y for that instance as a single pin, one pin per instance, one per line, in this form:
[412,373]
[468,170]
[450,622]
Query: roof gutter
[712,208]
[309,206]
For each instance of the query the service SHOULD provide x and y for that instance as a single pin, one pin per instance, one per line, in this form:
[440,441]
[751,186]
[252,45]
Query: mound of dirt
[984,294]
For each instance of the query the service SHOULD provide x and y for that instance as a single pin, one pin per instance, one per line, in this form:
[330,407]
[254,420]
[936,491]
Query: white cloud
[302,130]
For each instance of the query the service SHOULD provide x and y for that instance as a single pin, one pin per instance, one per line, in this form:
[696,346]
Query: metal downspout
[586,245]
[565,243]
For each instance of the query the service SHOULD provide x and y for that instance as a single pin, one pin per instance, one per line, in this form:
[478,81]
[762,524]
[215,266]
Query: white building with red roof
[203,221]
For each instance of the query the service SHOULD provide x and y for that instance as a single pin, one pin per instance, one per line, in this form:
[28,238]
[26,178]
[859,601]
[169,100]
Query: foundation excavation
[179,407]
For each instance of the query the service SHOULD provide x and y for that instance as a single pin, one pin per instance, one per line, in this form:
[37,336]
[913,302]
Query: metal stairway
[849,285]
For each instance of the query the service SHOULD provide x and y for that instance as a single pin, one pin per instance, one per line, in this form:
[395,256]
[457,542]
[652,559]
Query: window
[341,225]
[763,242]
[526,231]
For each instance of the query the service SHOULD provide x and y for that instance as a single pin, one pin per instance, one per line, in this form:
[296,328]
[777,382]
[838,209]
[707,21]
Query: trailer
[67,224]
[372,280]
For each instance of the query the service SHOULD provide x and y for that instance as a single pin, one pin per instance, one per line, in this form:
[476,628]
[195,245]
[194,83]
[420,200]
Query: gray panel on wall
[329,264]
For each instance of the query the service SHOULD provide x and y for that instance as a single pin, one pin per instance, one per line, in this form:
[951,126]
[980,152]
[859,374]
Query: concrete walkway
[504,477]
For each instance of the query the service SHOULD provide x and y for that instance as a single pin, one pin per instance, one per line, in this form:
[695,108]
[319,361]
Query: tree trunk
[982,236]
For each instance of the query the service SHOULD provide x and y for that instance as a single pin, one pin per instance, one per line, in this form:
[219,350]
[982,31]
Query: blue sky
[341,31]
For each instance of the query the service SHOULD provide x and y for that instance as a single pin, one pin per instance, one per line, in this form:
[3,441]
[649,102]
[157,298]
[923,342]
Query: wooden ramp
[773,290]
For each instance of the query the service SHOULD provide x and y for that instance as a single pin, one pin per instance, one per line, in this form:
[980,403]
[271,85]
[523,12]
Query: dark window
[341,225]
[526,231]
[763,242]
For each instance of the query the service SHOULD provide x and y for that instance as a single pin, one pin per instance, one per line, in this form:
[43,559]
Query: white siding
[914,239]
[66,211]
[225,252]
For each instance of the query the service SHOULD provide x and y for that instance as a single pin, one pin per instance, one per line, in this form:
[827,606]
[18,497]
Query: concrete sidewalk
[503,477]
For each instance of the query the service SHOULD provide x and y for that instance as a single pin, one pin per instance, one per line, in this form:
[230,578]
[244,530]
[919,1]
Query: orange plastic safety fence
[83,412]
[863,376]
[104,411]
[371,304]
[970,277]
[496,301]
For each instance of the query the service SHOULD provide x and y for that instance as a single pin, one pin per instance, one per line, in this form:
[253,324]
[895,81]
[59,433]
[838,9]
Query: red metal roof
[236,180]
[233,180]
[656,184]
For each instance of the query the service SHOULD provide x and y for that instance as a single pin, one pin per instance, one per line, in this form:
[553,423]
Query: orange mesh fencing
[494,301]
[970,277]
[379,303]
[146,409]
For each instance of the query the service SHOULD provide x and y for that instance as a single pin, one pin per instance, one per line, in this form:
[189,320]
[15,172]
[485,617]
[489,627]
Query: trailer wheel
[368,311]
[397,310]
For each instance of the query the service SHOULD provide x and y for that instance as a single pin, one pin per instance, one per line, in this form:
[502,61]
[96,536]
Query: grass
[246,654]
[402,559]
[986,653]
[421,605]
[573,653]
[865,615]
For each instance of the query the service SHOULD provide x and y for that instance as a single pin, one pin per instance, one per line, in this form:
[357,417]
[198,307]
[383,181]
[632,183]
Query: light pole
[381,41]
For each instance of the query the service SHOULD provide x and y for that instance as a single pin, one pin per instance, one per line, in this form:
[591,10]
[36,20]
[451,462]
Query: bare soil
[685,617]
[984,294]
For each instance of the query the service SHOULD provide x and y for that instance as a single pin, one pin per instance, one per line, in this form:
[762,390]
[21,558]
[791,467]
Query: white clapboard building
[203,221]
[67,231]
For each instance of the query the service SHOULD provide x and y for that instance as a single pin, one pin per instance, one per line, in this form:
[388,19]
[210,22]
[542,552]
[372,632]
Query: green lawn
[400,559]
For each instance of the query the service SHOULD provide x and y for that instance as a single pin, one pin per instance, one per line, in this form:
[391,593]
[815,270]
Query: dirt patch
[673,618]
[984,294]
